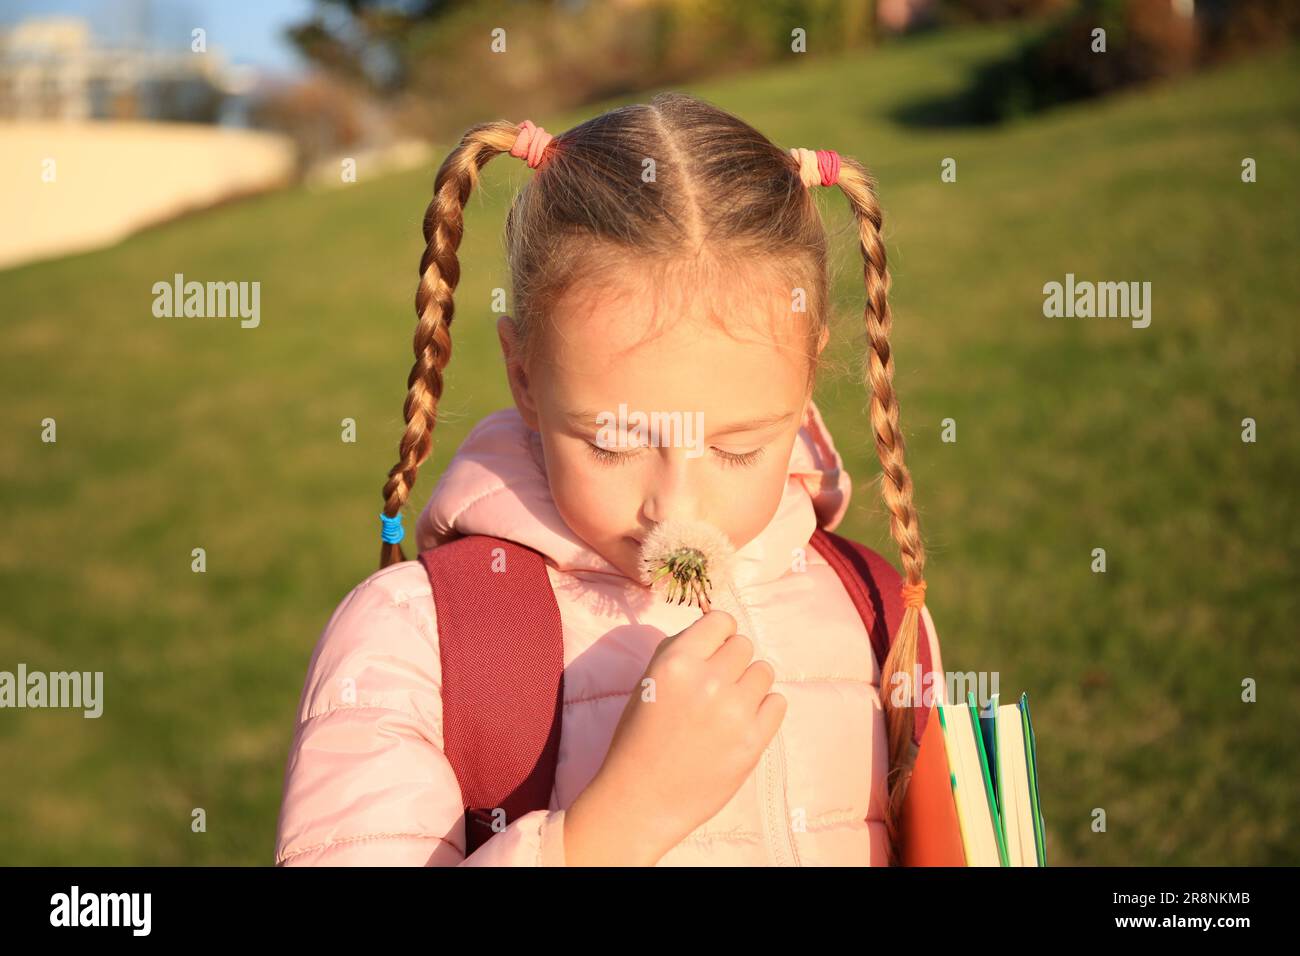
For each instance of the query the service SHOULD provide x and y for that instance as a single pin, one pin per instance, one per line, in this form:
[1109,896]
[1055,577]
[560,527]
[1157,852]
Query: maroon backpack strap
[502,652]
[876,589]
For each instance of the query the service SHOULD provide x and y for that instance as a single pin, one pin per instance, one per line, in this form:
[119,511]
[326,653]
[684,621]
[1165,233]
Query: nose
[671,493]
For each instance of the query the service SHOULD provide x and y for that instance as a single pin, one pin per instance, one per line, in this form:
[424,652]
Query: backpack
[501,646]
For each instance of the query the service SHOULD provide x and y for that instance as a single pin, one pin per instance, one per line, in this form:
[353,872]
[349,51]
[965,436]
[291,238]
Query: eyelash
[605,456]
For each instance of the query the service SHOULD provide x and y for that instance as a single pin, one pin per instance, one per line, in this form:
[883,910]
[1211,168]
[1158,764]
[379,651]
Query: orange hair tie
[914,594]
[530,143]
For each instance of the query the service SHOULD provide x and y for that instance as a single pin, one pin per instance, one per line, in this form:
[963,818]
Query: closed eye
[605,456]
[610,457]
[748,458]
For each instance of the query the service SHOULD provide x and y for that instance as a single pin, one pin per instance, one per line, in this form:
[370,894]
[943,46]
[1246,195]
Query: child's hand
[677,759]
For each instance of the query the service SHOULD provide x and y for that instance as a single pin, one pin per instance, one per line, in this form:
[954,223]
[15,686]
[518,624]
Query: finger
[756,681]
[770,714]
[733,656]
[706,635]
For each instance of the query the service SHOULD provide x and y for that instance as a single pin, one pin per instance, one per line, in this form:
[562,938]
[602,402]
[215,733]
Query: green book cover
[990,725]
[988,779]
[1031,762]
[952,777]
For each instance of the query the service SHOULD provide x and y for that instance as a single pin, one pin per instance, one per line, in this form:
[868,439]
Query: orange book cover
[928,826]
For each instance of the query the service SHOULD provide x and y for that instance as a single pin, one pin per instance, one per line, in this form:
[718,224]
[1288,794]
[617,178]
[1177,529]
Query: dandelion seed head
[686,560]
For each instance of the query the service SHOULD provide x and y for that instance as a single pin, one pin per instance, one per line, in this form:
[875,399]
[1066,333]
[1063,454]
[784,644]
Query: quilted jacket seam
[337,708]
[360,838]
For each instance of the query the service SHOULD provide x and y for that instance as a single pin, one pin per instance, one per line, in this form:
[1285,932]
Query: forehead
[732,327]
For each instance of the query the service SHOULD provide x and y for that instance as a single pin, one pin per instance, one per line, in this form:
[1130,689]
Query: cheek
[750,499]
[592,499]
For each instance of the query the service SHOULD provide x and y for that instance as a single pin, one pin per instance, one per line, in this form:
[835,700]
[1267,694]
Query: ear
[516,374]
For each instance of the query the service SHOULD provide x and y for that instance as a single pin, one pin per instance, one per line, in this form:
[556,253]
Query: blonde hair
[719,187]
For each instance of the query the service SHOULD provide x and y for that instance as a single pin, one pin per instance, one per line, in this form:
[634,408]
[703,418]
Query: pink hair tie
[531,143]
[828,163]
[817,168]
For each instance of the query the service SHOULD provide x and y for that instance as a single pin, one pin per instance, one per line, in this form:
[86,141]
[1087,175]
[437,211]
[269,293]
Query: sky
[247,31]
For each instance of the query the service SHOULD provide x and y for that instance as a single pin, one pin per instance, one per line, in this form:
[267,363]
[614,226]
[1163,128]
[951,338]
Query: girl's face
[728,410]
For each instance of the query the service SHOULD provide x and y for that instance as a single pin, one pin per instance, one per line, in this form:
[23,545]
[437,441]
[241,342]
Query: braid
[444,226]
[896,483]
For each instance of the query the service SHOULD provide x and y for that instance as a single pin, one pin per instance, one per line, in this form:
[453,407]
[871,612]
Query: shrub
[1233,27]
[986,11]
[1145,41]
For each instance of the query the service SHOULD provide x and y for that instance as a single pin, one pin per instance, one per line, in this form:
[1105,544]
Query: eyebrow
[588,420]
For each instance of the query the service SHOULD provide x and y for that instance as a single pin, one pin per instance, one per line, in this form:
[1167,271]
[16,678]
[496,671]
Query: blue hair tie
[392,532]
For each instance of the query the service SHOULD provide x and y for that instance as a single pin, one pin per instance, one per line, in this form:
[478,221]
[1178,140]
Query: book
[973,796]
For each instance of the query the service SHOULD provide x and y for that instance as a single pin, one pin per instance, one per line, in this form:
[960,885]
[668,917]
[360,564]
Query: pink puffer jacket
[367,782]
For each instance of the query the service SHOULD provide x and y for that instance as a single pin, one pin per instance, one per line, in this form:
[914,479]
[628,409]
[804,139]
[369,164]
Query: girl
[667,258]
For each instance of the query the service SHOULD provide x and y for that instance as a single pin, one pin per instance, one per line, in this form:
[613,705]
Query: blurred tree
[1232,27]
[964,11]
[321,116]
[1146,41]
[433,62]
[365,39]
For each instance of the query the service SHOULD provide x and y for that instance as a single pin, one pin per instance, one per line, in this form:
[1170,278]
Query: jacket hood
[496,485]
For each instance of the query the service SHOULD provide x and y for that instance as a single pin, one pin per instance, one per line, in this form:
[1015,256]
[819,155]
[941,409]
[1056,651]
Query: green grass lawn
[1071,435]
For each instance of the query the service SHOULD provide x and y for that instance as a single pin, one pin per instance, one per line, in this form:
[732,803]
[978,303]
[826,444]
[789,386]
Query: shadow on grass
[940,112]
[991,93]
